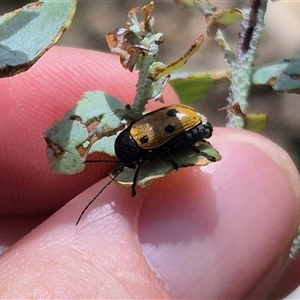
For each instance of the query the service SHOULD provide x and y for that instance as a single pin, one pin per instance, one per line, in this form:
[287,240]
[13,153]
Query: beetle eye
[144,139]
[170,128]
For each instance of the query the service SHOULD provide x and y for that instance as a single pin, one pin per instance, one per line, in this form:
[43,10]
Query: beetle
[156,135]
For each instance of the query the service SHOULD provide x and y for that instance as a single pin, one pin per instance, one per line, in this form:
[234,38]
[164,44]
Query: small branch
[228,53]
[252,25]
[143,87]
[248,27]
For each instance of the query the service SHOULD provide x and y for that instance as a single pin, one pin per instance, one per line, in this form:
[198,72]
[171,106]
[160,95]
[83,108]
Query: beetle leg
[174,164]
[209,157]
[136,173]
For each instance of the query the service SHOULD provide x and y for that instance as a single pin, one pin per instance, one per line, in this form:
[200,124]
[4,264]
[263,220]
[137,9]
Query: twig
[252,25]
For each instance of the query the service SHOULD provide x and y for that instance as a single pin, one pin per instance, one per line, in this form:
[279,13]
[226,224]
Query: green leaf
[163,70]
[153,170]
[255,122]
[228,17]
[283,76]
[223,19]
[63,138]
[27,33]
[91,126]
[196,86]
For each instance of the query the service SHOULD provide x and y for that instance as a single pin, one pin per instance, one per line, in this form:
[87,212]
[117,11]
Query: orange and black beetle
[156,135]
[160,133]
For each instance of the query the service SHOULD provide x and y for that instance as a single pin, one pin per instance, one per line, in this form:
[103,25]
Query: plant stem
[229,55]
[252,25]
[143,87]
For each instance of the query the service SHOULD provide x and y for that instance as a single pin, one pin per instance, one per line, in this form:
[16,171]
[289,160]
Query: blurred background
[280,40]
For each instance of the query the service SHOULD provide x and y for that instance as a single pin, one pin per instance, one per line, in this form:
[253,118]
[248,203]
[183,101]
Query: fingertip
[239,213]
[266,153]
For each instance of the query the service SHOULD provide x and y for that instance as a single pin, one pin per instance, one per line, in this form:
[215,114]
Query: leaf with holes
[283,76]
[91,126]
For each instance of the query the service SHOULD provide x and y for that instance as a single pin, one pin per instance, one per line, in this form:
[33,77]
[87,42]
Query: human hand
[220,231]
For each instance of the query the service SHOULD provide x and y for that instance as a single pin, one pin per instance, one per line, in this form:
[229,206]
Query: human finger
[224,231]
[30,103]
[205,234]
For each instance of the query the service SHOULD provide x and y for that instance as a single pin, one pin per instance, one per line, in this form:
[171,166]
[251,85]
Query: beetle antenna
[96,161]
[90,203]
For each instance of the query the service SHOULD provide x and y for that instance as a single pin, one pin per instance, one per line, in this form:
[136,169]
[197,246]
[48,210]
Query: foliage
[27,33]
[94,123]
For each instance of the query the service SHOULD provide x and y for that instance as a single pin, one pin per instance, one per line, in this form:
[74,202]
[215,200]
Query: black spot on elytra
[170,128]
[172,112]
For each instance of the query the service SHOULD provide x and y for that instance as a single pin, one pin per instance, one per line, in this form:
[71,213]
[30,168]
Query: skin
[220,231]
